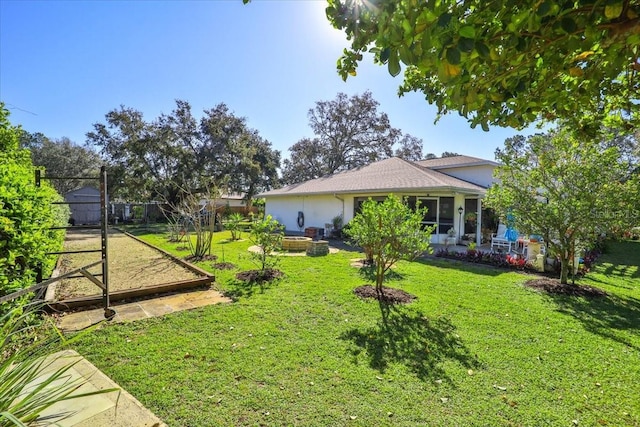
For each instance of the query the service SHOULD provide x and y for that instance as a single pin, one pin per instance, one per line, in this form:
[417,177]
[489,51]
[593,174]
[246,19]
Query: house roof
[389,175]
[455,162]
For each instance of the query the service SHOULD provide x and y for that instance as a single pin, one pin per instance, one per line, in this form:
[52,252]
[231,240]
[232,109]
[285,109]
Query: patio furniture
[523,243]
[499,239]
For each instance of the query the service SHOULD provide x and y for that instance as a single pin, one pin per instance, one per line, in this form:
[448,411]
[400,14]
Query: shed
[84,213]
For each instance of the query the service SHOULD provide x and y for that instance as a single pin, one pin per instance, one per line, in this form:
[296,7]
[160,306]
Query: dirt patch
[223,266]
[389,295]
[259,275]
[553,286]
[132,264]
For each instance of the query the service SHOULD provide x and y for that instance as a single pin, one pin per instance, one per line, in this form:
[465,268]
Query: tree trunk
[564,270]
[379,275]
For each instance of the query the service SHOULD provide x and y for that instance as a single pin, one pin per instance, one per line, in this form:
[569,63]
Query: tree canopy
[504,63]
[161,158]
[350,132]
[570,191]
[61,157]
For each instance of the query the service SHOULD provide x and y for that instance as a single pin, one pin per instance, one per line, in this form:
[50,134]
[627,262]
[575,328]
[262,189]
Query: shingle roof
[454,161]
[389,175]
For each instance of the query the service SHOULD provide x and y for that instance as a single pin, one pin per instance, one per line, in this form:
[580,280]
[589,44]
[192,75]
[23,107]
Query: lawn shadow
[612,317]
[410,338]
[468,267]
[620,270]
[247,288]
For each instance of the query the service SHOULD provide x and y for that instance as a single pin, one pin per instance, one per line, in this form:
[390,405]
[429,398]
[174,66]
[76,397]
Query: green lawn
[475,349]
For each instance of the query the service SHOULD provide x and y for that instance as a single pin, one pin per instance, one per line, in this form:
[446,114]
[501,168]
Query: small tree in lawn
[233,225]
[267,234]
[568,189]
[195,213]
[390,231]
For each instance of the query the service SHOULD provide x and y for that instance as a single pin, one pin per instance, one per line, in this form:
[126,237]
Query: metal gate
[82,271]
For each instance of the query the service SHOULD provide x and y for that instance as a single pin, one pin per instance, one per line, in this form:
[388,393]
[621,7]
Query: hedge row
[26,214]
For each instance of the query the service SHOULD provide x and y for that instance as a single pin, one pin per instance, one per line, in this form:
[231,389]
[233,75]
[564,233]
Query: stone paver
[142,309]
[113,409]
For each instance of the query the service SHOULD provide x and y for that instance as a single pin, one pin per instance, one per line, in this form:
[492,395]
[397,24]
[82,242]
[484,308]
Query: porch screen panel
[447,210]
[431,217]
[470,207]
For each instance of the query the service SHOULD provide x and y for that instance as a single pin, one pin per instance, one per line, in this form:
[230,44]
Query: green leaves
[388,232]
[467,31]
[266,233]
[444,19]
[394,64]
[556,183]
[26,213]
[454,47]
[453,56]
[613,9]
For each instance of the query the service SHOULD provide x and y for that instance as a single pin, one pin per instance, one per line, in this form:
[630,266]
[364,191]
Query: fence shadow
[410,338]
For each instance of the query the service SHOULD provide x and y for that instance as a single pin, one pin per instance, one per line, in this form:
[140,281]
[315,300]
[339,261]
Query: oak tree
[63,158]
[157,159]
[349,132]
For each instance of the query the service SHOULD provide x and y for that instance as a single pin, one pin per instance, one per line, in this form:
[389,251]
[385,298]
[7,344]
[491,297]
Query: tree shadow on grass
[247,283]
[369,273]
[469,267]
[613,317]
[410,338]
[621,259]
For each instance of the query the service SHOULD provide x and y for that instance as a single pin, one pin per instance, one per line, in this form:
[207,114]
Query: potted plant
[471,217]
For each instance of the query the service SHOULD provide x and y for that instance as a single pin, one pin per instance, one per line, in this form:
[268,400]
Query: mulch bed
[267,275]
[553,286]
[389,295]
[223,266]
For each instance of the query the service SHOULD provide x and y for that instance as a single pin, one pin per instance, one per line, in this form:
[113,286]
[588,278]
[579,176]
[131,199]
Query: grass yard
[475,349]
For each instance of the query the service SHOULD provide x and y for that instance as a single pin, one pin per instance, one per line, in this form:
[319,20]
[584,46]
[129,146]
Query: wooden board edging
[179,285]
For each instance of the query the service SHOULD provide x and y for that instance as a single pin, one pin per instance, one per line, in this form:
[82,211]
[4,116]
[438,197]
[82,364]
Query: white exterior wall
[480,175]
[318,210]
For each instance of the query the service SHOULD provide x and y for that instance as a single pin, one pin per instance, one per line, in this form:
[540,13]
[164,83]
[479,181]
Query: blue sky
[65,64]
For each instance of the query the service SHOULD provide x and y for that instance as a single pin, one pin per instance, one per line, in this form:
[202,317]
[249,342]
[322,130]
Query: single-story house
[84,204]
[450,187]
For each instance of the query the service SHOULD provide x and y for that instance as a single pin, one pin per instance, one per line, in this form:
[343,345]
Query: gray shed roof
[386,176]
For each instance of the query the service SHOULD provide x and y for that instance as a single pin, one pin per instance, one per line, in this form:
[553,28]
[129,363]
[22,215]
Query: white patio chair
[499,239]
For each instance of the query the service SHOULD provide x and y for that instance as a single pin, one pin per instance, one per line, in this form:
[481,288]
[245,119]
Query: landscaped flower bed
[516,262]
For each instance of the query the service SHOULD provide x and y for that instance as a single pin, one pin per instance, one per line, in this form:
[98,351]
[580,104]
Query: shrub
[26,215]
[233,225]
